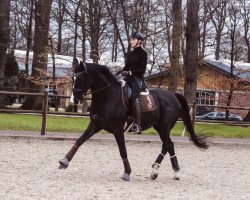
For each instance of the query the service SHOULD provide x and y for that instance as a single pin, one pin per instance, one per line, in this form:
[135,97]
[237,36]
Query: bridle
[91,92]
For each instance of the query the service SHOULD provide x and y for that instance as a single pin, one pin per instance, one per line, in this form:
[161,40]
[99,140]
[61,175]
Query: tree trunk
[84,34]
[76,27]
[29,38]
[175,55]
[40,56]
[4,36]
[61,7]
[204,30]
[217,48]
[191,57]
[248,54]
[95,22]
[117,35]
[247,117]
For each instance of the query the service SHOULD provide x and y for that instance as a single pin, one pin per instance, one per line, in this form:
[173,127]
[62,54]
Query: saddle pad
[147,103]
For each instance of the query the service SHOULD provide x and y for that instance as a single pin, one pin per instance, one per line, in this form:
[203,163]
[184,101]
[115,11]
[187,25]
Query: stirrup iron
[136,128]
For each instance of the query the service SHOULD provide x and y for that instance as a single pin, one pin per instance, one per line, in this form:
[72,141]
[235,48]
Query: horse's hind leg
[173,158]
[167,146]
[157,163]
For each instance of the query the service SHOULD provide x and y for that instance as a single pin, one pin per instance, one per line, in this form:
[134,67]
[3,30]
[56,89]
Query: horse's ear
[83,67]
[75,62]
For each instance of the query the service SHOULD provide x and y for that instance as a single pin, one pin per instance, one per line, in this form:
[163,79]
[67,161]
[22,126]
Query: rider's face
[133,42]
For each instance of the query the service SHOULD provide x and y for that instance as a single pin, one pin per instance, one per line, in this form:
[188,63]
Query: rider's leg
[135,83]
[137,116]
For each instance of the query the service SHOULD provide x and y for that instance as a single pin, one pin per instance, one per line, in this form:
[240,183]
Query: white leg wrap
[176,175]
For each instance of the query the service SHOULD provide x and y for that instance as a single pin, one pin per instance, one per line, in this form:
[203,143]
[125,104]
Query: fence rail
[44,112]
[224,107]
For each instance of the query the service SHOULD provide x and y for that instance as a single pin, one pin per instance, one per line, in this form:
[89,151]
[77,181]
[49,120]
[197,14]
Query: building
[63,73]
[214,83]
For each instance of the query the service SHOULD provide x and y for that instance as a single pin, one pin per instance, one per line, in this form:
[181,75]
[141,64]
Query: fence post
[44,113]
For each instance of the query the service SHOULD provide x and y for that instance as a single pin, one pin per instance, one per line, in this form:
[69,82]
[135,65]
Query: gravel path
[29,170]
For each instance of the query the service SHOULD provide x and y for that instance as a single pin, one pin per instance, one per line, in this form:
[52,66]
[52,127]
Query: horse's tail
[199,141]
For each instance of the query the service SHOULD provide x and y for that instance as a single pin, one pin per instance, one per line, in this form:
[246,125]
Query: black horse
[108,112]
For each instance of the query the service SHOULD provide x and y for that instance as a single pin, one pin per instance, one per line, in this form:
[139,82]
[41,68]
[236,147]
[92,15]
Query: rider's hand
[117,73]
[126,73]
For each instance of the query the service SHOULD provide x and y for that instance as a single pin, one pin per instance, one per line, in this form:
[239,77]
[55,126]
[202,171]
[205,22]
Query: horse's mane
[96,68]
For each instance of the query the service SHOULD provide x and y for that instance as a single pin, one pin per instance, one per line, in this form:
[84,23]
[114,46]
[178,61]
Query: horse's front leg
[123,152]
[89,132]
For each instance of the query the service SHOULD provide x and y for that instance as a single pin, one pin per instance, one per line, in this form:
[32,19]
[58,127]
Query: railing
[44,112]
[193,108]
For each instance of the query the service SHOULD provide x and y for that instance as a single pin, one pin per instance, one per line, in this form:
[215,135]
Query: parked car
[219,116]
[234,117]
[52,101]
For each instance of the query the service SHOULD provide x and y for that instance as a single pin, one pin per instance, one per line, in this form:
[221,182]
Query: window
[205,97]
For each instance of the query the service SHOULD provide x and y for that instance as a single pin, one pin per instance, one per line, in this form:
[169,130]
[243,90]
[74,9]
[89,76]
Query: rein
[98,90]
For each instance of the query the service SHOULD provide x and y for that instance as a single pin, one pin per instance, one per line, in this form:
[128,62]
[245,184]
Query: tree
[218,14]
[11,77]
[40,56]
[205,29]
[177,33]
[29,37]
[245,12]
[233,35]
[60,19]
[84,31]
[247,117]
[191,56]
[94,14]
[4,37]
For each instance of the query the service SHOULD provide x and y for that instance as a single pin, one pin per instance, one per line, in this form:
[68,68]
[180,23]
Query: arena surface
[29,170]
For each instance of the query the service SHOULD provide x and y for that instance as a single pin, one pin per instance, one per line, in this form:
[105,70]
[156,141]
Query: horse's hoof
[64,163]
[176,176]
[154,173]
[154,176]
[125,177]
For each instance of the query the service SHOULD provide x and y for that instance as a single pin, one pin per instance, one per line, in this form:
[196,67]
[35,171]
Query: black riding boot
[136,127]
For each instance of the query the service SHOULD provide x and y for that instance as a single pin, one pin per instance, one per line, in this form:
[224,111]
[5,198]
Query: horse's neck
[103,92]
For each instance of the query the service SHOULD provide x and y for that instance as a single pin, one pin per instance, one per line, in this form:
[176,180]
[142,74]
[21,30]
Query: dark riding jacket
[136,63]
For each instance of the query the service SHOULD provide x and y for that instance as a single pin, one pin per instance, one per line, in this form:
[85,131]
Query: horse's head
[82,82]
[78,67]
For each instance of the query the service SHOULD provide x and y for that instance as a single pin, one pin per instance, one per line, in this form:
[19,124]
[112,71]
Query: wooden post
[44,113]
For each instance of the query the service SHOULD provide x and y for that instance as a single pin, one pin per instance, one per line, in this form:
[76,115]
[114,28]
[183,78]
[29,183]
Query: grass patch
[78,124]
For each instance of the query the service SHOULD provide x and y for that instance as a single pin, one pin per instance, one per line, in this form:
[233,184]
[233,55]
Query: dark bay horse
[107,112]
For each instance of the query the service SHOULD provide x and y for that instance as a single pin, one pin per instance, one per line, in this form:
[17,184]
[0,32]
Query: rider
[134,71]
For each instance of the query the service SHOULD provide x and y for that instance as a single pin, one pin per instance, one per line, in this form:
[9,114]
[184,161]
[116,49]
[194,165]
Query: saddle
[147,103]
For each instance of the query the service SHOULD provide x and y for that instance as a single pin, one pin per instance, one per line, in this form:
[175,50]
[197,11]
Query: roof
[241,70]
[63,63]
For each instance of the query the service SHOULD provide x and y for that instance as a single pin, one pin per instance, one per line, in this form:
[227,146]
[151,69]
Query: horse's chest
[106,123]
[99,119]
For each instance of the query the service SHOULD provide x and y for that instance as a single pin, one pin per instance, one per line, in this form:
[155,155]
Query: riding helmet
[137,35]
